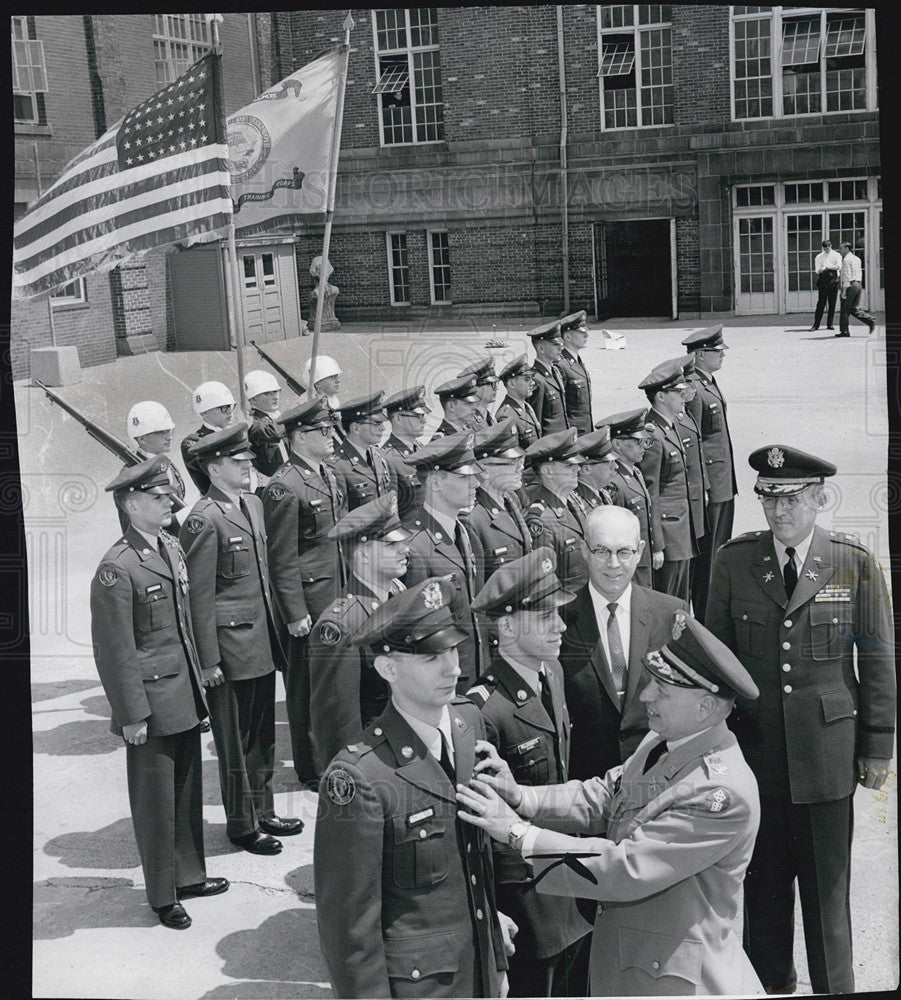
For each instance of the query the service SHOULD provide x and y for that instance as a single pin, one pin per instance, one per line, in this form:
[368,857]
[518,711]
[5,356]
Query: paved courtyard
[94,935]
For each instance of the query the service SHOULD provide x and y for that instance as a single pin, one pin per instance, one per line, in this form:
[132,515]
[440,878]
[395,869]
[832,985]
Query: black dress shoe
[814,328]
[257,843]
[281,827]
[173,915]
[830,327]
[205,726]
[843,335]
[211,887]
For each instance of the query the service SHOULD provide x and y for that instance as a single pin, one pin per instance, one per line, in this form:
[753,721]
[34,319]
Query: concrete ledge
[56,365]
[139,343]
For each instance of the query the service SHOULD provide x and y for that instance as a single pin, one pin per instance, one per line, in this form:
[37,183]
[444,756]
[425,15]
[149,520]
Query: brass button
[472,879]
[787,689]
[479,915]
[655,965]
[422,834]
[786,667]
[788,623]
[415,974]
[786,645]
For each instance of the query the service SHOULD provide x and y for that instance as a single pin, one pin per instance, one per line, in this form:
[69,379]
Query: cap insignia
[392,503]
[535,528]
[164,465]
[432,597]
[276,491]
[340,787]
[470,439]
[678,626]
[767,577]
[775,458]
[546,566]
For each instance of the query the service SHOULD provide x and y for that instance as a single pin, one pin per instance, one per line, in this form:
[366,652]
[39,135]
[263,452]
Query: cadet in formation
[596,472]
[147,660]
[519,383]
[325,388]
[458,399]
[237,639]
[486,390]
[521,700]
[576,380]
[662,842]
[266,435]
[363,471]
[150,426]
[548,399]
[407,411]
[404,889]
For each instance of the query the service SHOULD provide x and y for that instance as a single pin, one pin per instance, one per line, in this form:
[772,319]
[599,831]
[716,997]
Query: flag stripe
[194,206]
[74,215]
[69,179]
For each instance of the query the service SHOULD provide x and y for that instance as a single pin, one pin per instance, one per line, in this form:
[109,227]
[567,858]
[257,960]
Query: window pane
[845,35]
[423,26]
[801,92]
[755,255]
[616,15]
[801,42]
[399,269]
[656,77]
[846,89]
[395,76]
[753,80]
[428,96]
[440,266]
[804,234]
[618,57]
[620,109]
[391,30]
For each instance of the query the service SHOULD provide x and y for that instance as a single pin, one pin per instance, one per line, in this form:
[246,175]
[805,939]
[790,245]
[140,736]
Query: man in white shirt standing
[827,266]
[851,278]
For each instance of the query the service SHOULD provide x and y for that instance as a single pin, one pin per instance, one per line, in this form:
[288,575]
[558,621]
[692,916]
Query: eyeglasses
[380,422]
[603,553]
[713,350]
[788,503]
[324,431]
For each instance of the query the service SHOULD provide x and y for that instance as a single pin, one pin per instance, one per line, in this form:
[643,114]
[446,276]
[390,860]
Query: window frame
[165,40]
[774,16]
[430,235]
[37,61]
[635,30]
[409,50]
[79,300]
[389,235]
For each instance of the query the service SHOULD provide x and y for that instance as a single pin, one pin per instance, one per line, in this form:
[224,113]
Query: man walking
[827,267]
[851,287]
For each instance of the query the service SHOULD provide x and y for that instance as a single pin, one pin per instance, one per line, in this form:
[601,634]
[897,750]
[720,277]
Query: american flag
[157,177]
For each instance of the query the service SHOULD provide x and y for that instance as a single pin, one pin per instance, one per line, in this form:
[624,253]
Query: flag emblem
[248,146]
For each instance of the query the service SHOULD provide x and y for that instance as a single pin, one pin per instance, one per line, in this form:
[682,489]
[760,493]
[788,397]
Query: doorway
[634,268]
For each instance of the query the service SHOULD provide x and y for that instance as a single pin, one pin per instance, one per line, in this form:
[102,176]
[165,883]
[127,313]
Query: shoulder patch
[108,575]
[340,786]
[478,695]
[194,525]
[718,800]
[536,527]
[275,491]
[330,633]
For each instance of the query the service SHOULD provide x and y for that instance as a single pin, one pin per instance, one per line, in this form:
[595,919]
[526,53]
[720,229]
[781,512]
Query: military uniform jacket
[673,846]
[814,713]
[577,391]
[528,426]
[536,747]
[553,522]
[666,478]
[481,419]
[360,480]
[502,532]
[592,497]
[344,686]
[627,489]
[409,489]
[300,508]
[433,553]
[234,622]
[446,427]
[694,469]
[404,890]
[549,399]
[267,440]
[200,479]
[605,732]
[143,639]
[709,411]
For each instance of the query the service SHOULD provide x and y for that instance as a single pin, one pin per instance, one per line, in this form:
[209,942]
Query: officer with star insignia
[441,542]
[345,693]
[521,699]
[301,504]
[662,841]
[807,612]
[577,381]
[145,654]
[556,514]
[486,390]
[548,398]
[362,470]
[596,472]
[407,411]
[404,889]
[237,636]
[458,398]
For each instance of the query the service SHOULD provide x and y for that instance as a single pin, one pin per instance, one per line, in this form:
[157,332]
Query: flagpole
[330,204]
[233,287]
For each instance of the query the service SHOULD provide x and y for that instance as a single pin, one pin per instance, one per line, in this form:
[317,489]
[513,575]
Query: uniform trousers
[297,705]
[562,975]
[813,844]
[165,792]
[243,721]
[673,578]
[720,517]
[850,308]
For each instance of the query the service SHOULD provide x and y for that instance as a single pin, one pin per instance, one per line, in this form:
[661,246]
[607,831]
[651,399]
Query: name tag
[568,544]
[235,539]
[501,551]
[686,440]
[315,503]
[833,593]
[528,745]
[420,817]
[673,454]
[154,588]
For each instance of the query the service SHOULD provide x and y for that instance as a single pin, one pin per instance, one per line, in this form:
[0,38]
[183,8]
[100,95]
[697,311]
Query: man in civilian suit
[612,624]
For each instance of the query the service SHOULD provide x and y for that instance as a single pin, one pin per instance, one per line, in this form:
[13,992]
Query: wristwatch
[517,834]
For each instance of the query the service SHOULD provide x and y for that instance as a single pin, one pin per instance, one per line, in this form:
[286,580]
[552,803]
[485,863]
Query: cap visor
[158,490]
[246,453]
[466,470]
[441,640]
[395,535]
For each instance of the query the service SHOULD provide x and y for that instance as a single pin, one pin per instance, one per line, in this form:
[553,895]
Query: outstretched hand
[495,772]
[483,807]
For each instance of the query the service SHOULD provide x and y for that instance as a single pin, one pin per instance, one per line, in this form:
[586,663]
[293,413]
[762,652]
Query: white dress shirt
[449,524]
[152,540]
[828,259]
[800,557]
[530,677]
[851,269]
[431,735]
[623,619]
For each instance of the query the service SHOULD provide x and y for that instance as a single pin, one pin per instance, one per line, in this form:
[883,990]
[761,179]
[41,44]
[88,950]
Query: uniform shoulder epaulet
[748,536]
[537,507]
[480,693]
[281,471]
[844,538]
[354,751]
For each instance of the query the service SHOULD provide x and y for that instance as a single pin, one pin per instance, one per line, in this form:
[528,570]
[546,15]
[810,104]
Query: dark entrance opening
[633,270]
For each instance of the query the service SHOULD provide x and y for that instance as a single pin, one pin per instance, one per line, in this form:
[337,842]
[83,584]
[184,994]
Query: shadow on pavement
[97,705]
[301,881]
[77,739]
[47,690]
[62,909]
[280,958]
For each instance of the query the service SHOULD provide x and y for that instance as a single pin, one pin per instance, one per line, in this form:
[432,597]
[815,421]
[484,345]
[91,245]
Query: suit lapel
[414,762]
[149,554]
[446,546]
[640,630]
[309,477]
[816,572]
[765,570]
[230,510]
[529,708]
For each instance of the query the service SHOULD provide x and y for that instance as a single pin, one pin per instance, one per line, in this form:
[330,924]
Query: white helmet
[148,417]
[259,381]
[325,367]
[210,395]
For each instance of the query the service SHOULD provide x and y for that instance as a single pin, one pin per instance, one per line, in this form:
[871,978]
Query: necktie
[577,505]
[445,761]
[789,573]
[546,698]
[515,511]
[161,548]
[617,657]
[654,756]
[370,461]
[465,548]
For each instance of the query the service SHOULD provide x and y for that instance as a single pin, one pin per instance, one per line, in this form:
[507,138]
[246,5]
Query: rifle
[295,385]
[109,441]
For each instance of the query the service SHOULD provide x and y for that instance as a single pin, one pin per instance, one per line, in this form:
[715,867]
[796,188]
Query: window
[439,268]
[804,193]
[398,269]
[755,254]
[268,261]
[411,103]
[178,41]
[755,194]
[250,272]
[790,61]
[73,294]
[847,190]
[29,73]
[636,65]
